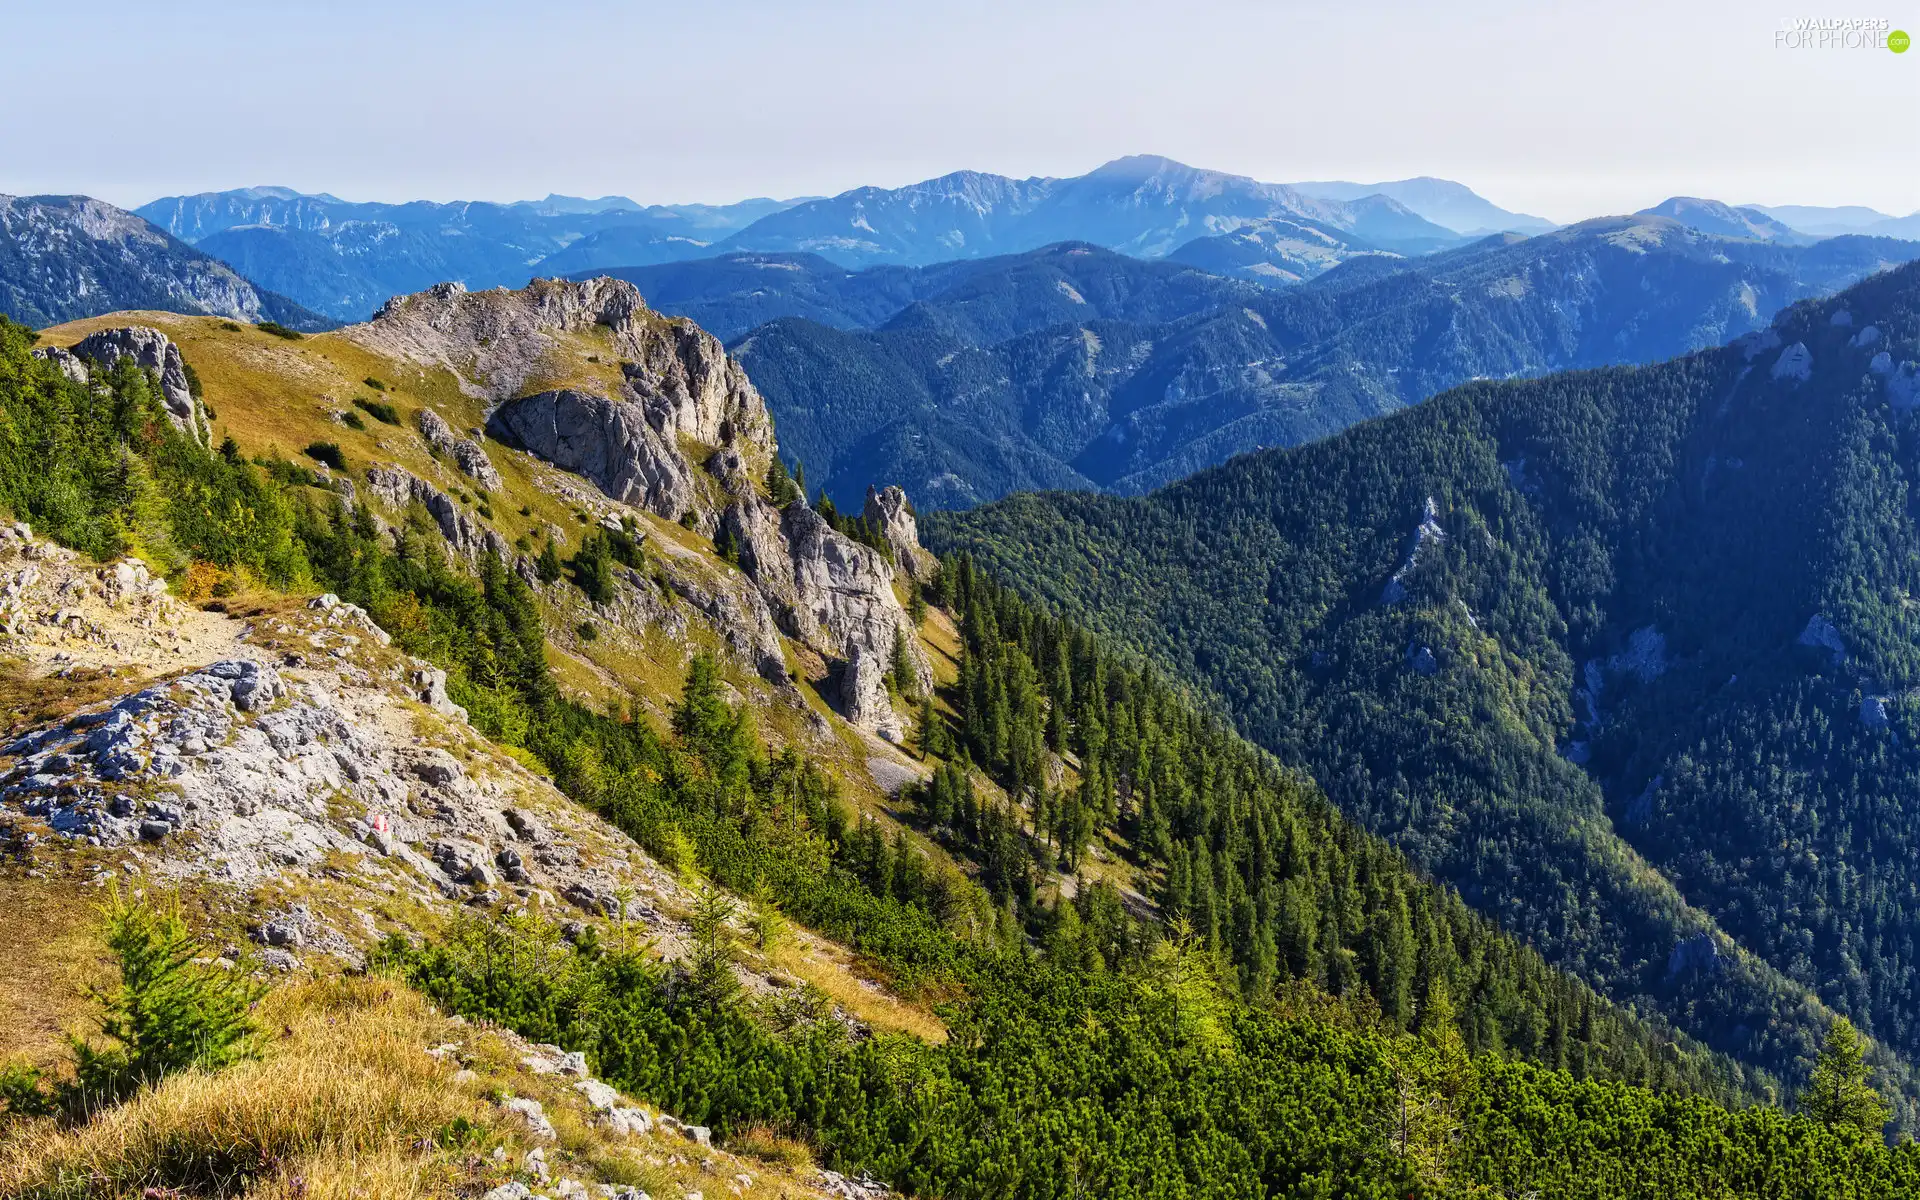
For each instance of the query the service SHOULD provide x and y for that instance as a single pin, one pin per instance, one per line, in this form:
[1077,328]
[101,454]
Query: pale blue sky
[1559,109]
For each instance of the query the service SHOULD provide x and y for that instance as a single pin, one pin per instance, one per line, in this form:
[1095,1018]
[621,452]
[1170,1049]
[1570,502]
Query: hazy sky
[1559,109]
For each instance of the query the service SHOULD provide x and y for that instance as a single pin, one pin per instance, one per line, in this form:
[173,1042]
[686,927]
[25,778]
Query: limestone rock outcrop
[863,695]
[888,509]
[466,453]
[610,442]
[499,341]
[65,361]
[154,351]
[826,589]
[1425,534]
[831,593]
[398,487]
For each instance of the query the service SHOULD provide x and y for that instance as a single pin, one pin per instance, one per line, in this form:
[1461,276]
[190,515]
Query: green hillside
[1637,689]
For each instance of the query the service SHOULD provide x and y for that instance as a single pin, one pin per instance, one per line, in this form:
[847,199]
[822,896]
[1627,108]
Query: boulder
[533,1114]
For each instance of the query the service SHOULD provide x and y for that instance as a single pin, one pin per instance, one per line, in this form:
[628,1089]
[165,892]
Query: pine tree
[547,566]
[927,734]
[905,680]
[780,486]
[593,570]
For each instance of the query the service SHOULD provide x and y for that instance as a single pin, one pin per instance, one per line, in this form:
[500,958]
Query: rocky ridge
[679,433]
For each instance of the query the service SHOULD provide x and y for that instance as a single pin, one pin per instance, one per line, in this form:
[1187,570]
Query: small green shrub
[280,331]
[587,632]
[375,384]
[352,420]
[328,453]
[379,410]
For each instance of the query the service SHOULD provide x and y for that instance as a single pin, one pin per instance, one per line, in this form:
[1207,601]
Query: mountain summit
[1143,204]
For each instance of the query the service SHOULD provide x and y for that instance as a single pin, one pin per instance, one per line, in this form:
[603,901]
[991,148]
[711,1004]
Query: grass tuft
[344,1100]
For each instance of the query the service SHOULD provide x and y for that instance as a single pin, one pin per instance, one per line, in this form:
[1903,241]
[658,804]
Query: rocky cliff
[658,417]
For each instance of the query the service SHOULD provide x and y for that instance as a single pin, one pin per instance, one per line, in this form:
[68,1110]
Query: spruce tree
[548,564]
[710,978]
[166,1014]
[1838,1094]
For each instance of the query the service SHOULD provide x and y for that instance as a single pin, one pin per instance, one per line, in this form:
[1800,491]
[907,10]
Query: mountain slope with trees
[1624,655]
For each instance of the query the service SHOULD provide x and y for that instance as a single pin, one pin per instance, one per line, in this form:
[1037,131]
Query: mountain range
[1442,201]
[1076,367]
[1627,656]
[346,259]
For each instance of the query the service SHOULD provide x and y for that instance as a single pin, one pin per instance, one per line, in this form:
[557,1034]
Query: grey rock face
[153,351]
[826,589]
[64,360]
[1820,634]
[1421,659]
[690,386]
[1873,711]
[1697,953]
[863,695]
[465,453]
[609,442]
[398,487]
[680,375]
[743,618]
[1425,534]
[888,508]
[1795,362]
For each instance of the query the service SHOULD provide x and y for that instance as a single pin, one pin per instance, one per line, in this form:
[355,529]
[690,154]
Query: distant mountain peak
[1444,202]
[1724,220]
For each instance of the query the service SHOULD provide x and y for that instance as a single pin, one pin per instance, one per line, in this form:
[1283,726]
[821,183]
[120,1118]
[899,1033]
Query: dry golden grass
[50,944]
[770,1146]
[344,1101]
[34,700]
[830,968]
